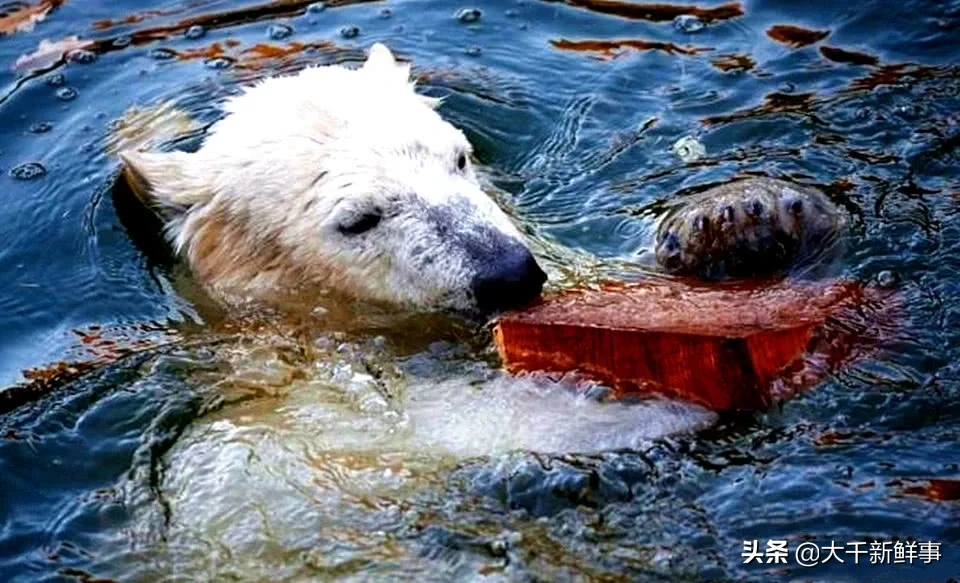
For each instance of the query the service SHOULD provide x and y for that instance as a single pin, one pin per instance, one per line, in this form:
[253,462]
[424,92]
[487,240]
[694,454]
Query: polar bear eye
[461,161]
[361,223]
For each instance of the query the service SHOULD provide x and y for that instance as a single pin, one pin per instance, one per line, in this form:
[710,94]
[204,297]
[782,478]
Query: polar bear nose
[511,281]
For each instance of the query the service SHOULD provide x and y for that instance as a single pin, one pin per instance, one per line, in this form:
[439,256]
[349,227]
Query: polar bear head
[344,179]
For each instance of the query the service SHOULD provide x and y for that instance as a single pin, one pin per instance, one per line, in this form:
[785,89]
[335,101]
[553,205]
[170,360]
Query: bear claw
[764,240]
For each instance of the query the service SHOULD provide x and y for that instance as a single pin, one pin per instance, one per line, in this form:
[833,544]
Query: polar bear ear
[381,62]
[160,180]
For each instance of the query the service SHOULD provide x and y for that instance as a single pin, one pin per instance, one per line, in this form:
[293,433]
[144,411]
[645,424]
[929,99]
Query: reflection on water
[181,440]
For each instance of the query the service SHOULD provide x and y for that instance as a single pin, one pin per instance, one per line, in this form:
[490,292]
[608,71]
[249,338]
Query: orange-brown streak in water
[935,489]
[808,103]
[98,347]
[900,74]
[255,57]
[229,18]
[609,49]
[795,36]
[24,16]
[656,12]
[838,55]
[132,18]
[772,103]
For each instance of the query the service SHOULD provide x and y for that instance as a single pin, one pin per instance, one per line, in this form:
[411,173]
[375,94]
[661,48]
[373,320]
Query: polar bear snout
[512,280]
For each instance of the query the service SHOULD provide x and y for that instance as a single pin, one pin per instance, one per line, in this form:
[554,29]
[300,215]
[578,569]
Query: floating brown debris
[656,12]
[22,17]
[848,57]
[613,48]
[734,63]
[795,36]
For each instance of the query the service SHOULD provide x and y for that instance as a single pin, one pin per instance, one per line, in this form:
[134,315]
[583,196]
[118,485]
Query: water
[357,448]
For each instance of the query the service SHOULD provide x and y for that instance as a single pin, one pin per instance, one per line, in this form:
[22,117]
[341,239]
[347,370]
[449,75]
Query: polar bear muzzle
[511,281]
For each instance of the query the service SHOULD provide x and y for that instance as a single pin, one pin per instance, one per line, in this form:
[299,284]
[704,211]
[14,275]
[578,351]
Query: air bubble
[218,63]
[194,32]
[689,149]
[81,56]
[689,23]
[162,54]
[41,127]
[468,15]
[28,171]
[317,7]
[887,279]
[385,13]
[66,94]
[474,51]
[350,31]
[122,41]
[279,31]
[56,80]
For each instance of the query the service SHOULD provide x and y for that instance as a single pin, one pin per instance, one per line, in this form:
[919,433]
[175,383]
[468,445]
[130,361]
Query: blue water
[205,459]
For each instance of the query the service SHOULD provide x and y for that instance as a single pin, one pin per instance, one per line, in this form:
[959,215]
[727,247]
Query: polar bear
[341,179]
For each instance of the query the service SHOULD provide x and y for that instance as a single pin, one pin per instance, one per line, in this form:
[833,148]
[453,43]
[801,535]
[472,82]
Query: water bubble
[911,111]
[350,31]
[468,15]
[66,94]
[81,56]
[218,63]
[122,41]
[279,31]
[689,23]
[473,51]
[28,171]
[385,13]
[41,127]
[162,54]
[689,149]
[887,279]
[56,80]
[317,7]
[194,32]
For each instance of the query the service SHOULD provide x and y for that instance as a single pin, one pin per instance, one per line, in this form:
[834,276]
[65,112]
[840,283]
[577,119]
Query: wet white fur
[258,206]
